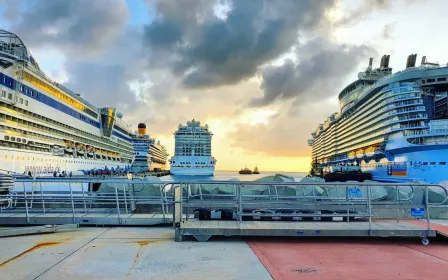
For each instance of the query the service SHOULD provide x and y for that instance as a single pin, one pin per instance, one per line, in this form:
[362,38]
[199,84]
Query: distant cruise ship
[141,142]
[150,155]
[158,156]
[394,126]
[193,150]
[46,128]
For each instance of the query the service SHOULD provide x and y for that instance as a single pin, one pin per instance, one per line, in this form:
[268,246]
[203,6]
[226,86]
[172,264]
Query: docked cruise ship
[193,150]
[394,126]
[46,128]
[141,142]
[158,156]
[150,155]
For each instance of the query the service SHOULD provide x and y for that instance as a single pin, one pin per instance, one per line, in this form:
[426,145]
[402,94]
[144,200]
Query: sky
[263,74]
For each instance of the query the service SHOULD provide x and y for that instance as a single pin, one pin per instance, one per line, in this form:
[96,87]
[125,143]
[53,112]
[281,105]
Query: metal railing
[89,196]
[177,200]
[315,201]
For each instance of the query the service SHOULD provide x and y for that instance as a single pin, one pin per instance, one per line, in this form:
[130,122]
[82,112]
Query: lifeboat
[351,155]
[359,153]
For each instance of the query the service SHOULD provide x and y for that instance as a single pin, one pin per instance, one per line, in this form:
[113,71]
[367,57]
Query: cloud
[321,68]
[388,30]
[366,8]
[209,51]
[81,27]
[284,135]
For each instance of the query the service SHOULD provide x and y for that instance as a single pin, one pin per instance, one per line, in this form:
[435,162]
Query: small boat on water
[256,170]
[246,171]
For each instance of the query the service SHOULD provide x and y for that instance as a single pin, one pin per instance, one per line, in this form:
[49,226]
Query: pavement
[151,253]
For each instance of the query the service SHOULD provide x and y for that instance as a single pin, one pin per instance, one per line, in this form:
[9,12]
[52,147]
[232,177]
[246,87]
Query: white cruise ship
[193,150]
[150,155]
[393,126]
[46,128]
[141,142]
[158,156]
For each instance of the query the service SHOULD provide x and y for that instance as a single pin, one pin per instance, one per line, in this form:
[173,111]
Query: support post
[118,204]
[369,206]
[26,204]
[427,209]
[73,204]
[42,196]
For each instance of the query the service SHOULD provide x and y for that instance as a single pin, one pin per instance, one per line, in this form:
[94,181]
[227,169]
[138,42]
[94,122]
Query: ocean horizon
[229,175]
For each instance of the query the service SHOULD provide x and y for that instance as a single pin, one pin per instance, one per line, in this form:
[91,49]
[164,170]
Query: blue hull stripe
[10,82]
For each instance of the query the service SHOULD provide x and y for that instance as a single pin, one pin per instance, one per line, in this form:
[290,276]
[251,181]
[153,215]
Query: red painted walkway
[373,260]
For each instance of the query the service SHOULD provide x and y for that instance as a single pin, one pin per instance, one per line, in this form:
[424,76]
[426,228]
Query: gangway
[42,201]
[297,209]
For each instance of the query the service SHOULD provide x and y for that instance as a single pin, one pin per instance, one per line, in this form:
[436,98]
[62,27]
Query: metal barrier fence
[315,201]
[177,200]
[80,197]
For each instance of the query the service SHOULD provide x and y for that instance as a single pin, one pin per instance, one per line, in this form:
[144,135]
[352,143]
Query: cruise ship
[193,150]
[141,142]
[392,125]
[45,128]
[158,156]
[150,155]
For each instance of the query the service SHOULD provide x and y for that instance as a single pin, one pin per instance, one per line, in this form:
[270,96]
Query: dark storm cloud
[210,51]
[315,75]
[80,26]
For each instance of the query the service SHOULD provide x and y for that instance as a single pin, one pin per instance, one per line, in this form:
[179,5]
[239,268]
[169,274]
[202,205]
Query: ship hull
[193,165]
[193,171]
[45,164]
[429,166]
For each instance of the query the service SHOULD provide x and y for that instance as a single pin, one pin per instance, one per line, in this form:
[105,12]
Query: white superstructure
[150,155]
[46,128]
[193,150]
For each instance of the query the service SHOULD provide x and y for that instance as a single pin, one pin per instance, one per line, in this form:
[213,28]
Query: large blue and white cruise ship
[46,128]
[394,126]
[193,150]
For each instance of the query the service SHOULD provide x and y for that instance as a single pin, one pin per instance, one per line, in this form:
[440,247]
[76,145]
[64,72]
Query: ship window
[431,80]
[425,163]
[6,137]
[423,82]
[19,140]
[13,139]
[433,163]
[21,101]
[441,79]
[442,163]
[3,93]
[26,102]
[23,140]
[10,96]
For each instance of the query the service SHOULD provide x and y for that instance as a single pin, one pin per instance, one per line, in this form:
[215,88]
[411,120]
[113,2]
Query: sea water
[229,175]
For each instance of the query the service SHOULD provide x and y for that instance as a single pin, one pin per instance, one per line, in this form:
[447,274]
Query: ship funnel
[411,60]
[370,62]
[141,129]
[385,61]
[424,60]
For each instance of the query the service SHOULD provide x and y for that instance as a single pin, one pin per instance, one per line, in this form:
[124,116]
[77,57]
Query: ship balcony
[405,127]
[426,133]
[403,104]
[401,111]
[396,119]
[403,98]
